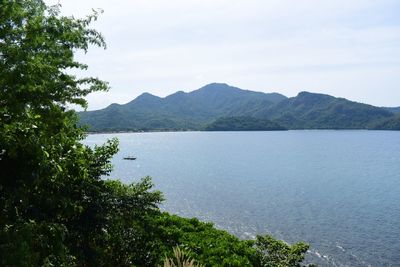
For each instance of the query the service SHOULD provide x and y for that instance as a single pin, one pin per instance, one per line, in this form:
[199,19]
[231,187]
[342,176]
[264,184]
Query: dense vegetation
[243,124]
[319,111]
[179,111]
[197,109]
[55,208]
[393,109]
[392,123]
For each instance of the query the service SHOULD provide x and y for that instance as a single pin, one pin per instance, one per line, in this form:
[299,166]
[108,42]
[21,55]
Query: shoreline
[182,131]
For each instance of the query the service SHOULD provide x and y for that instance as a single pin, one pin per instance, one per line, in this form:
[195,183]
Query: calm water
[337,190]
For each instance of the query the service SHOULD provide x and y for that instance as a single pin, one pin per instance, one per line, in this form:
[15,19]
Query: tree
[54,206]
[276,253]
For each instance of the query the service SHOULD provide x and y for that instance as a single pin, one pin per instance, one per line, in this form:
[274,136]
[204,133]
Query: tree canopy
[55,208]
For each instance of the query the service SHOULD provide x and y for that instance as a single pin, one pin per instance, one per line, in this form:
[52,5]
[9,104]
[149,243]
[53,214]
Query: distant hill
[320,111]
[243,124]
[202,108]
[393,109]
[392,123]
[179,111]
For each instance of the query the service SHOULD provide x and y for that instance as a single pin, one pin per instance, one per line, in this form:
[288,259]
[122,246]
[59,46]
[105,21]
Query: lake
[337,190]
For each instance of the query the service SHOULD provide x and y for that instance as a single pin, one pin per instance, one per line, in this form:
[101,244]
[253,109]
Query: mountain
[179,111]
[202,108]
[393,109]
[243,124]
[392,123]
[320,111]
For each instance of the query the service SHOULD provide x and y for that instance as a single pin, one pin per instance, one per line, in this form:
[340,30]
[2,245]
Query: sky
[343,48]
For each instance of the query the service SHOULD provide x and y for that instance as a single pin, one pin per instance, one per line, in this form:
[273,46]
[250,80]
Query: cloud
[345,48]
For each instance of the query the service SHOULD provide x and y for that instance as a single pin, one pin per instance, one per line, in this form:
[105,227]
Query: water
[337,190]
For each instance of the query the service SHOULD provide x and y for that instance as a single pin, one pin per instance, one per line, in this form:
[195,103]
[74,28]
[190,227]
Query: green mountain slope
[180,110]
[319,111]
[243,124]
[197,109]
[392,123]
[393,109]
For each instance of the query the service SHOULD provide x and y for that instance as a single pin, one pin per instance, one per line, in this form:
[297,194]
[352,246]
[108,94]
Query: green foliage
[31,243]
[392,123]
[213,247]
[278,253]
[243,124]
[206,244]
[392,109]
[181,259]
[56,209]
[319,111]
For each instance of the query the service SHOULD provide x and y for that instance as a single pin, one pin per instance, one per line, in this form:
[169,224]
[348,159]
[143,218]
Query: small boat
[129,158]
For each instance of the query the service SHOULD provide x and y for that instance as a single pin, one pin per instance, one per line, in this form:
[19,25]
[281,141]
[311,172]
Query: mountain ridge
[196,109]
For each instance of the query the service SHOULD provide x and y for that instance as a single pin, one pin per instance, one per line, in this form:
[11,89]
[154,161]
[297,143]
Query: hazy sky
[347,48]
